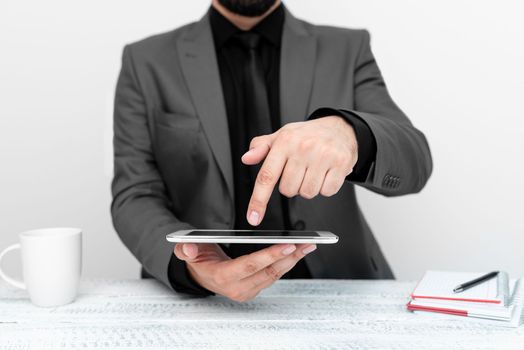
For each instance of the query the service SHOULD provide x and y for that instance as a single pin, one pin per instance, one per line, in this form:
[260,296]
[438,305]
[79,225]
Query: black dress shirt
[230,56]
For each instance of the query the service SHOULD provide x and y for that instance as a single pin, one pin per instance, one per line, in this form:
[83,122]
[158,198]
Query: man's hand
[308,157]
[239,279]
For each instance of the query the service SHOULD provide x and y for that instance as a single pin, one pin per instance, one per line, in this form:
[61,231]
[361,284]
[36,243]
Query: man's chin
[248,8]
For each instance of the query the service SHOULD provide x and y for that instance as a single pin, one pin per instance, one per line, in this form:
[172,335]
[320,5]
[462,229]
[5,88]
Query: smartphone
[252,236]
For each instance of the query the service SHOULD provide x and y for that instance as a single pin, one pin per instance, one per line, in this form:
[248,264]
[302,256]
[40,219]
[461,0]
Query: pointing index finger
[267,178]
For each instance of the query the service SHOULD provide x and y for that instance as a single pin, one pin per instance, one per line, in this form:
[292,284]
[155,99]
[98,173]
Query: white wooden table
[303,314]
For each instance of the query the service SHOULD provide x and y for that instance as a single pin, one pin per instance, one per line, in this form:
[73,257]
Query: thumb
[258,149]
[186,251]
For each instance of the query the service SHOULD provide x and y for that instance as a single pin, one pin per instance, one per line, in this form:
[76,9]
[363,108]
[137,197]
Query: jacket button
[299,225]
[386,181]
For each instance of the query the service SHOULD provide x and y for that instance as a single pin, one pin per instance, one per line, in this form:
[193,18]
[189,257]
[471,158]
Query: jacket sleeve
[403,161]
[140,208]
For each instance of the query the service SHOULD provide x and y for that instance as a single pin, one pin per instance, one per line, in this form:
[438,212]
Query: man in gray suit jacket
[251,117]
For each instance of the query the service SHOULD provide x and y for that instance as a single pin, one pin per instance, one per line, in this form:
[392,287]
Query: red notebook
[497,299]
[439,285]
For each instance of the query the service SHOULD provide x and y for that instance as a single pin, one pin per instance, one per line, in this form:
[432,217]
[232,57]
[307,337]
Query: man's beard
[248,8]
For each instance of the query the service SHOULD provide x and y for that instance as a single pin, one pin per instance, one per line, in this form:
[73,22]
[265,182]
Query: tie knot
[249,40]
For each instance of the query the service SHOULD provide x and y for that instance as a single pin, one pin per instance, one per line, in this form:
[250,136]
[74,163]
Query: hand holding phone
[239,279]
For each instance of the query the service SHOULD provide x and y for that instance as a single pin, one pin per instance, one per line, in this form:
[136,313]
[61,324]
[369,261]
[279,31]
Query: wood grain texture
[293,314]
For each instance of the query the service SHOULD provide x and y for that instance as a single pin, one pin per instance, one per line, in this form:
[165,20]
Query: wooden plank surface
[299,314]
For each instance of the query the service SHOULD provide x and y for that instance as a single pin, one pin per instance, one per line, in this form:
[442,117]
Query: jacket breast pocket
[175,120]
[176,135]
[180,148]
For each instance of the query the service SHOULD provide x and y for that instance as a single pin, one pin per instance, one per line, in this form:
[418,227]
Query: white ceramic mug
[51,264]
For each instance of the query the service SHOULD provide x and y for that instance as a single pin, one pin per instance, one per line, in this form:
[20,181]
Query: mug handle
[10,280]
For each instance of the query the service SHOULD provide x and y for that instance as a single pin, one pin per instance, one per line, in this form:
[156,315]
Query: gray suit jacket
[172,154]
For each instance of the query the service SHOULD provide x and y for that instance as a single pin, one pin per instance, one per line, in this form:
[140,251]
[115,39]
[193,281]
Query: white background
[455,67]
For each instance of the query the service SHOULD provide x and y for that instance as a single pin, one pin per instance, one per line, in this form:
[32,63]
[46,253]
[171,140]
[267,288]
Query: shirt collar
[270,27]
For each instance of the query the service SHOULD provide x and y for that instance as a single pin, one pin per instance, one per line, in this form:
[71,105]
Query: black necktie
[257,121]
[256,101]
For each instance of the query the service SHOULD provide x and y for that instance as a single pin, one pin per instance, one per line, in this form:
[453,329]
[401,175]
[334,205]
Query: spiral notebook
[499,300]
[439,285]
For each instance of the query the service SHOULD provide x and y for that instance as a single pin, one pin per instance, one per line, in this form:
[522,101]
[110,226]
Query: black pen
[467,285]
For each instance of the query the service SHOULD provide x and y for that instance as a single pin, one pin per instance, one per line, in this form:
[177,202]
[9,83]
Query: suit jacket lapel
[297,63]
[297,68]
[197,55]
